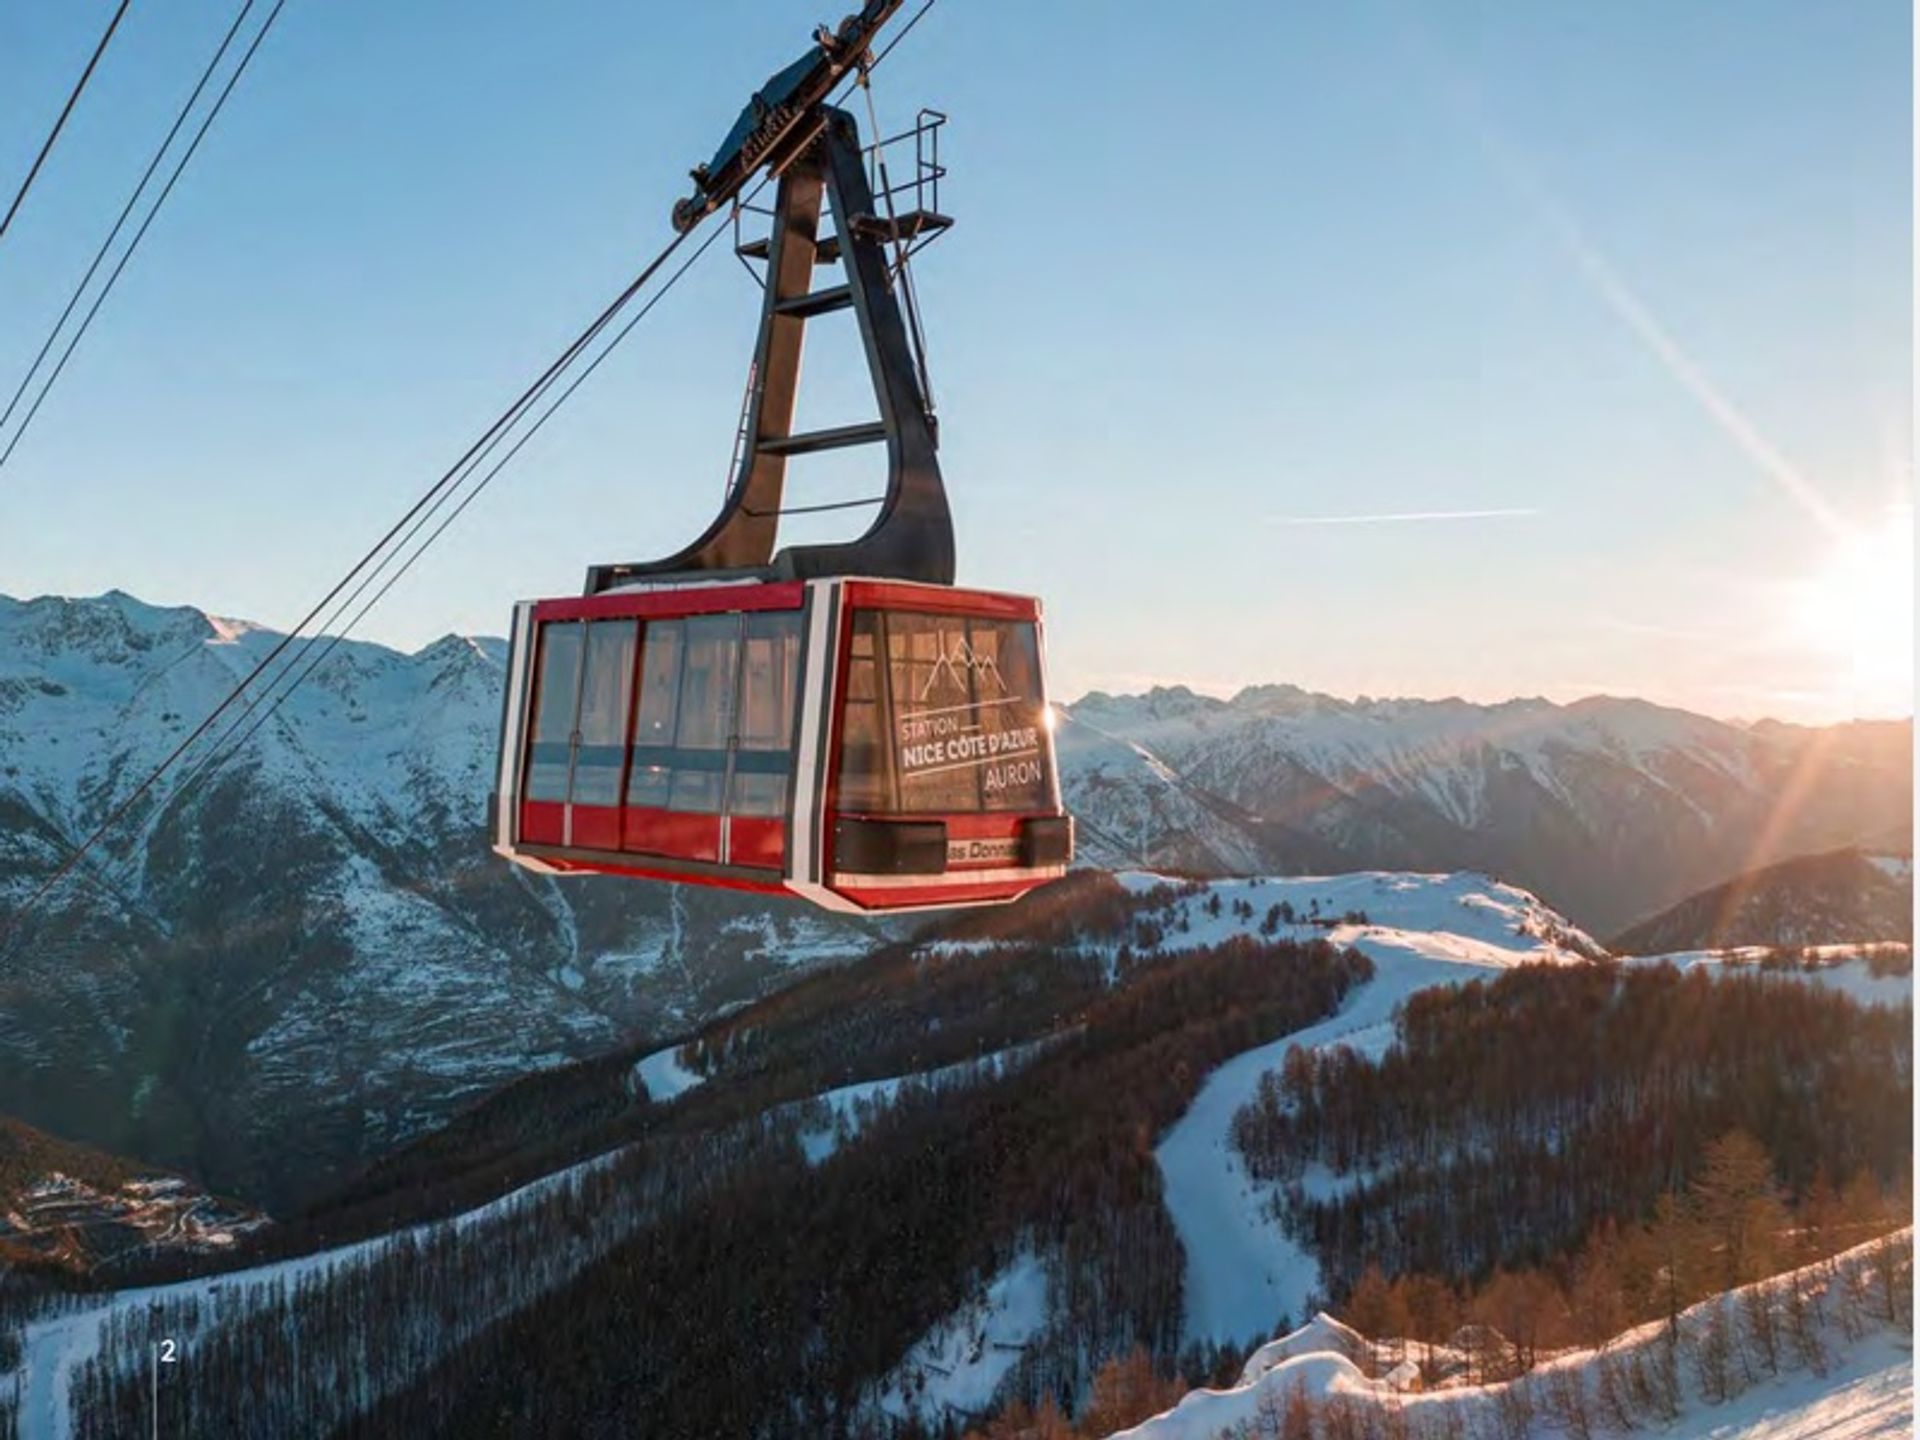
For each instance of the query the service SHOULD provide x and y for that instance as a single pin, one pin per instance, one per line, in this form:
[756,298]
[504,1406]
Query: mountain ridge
[1837,897]
[1610,808]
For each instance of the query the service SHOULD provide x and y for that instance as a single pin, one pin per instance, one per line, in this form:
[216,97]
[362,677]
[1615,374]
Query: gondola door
[689,674]
[578,748]
[713,739]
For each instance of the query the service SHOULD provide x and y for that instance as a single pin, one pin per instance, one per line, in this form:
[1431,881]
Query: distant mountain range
[1610,809]
[312,956]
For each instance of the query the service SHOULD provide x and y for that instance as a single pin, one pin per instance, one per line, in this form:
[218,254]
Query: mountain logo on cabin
[957,665]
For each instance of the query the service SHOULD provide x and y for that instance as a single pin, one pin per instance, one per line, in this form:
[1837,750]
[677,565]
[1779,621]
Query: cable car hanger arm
[782,116]
[814,149]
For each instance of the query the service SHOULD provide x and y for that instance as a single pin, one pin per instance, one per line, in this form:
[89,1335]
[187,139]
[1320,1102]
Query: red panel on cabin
[596,827]
[543,822]
[673,603]
[758,841]
[878,897]
[681,834]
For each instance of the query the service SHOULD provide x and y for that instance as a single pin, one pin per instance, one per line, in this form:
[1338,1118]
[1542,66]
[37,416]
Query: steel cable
[46,148]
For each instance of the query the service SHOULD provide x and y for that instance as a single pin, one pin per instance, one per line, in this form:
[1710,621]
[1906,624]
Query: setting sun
[1857,609]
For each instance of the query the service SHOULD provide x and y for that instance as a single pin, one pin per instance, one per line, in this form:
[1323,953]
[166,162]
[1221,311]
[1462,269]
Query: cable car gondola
[840,721]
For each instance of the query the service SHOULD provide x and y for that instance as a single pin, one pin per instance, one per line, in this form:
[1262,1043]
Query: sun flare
[1857,611]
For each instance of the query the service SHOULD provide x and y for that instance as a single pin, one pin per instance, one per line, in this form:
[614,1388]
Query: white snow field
[665,1077]
[956,1367]
[1866,1392]
[1421,930]
[1846,968]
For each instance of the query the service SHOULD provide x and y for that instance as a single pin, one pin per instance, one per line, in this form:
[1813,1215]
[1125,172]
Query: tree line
[1512,1116]
[1733,1225]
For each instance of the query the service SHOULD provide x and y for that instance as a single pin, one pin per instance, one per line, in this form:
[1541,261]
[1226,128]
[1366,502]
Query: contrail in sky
[1402,517]
[1613,290]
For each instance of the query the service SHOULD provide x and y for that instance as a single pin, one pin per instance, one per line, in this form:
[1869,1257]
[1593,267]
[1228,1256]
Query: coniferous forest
[1513,1115]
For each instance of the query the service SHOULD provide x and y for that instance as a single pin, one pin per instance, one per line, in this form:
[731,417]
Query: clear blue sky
[1639,271]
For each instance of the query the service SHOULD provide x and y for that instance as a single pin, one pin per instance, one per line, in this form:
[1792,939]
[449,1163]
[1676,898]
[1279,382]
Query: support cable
[173,757]
[333,638]
[125,211]
[60,124]
[113,278]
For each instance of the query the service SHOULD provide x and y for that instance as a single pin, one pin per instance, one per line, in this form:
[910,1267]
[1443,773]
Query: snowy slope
[1421,930]
[954,1370]
[664,1077]
[1850,969]
[1865,1394]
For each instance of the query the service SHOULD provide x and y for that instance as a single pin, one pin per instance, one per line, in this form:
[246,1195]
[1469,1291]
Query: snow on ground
[1894,867]
[955,1368]
[1422,930]
[1321,1334]
[1870,1397]
[1462,904]
[836,1116]
[665,1077]
[57,1345]
[1866,1394]
[1845,968]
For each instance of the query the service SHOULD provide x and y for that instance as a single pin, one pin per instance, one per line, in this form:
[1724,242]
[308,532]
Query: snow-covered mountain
[1611,809]
[312,954]
[1419,931]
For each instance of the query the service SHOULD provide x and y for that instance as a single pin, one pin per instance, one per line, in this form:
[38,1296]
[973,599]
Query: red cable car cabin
[866,744]
[837,720]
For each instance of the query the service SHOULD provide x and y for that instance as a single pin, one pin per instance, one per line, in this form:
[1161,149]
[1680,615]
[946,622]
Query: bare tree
[1891,1265]
[1565,1401]
[1710,1347]
[1613,1393]
[1805,1321]
[1760,1330]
